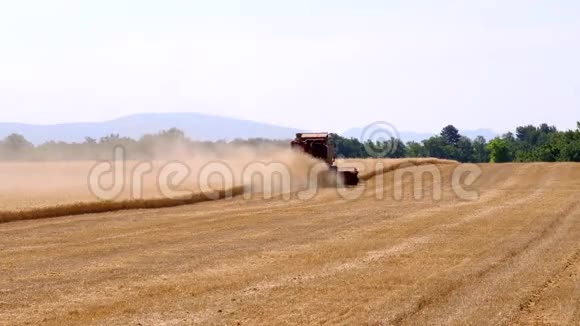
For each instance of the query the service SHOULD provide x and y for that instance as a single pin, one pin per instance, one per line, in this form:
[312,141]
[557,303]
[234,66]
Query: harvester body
[319,145]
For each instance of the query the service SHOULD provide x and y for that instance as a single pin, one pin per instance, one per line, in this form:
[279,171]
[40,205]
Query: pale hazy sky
[320,65]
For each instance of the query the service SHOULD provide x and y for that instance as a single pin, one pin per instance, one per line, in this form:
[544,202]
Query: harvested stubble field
[510,257]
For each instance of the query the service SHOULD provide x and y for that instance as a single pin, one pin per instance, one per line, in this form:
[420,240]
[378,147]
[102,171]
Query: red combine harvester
[318,145]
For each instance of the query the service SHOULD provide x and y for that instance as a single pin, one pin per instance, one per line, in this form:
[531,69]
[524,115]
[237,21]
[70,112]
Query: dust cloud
[265,170]
[175,171]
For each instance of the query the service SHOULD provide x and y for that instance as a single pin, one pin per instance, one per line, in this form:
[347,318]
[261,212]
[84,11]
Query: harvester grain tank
[320,146]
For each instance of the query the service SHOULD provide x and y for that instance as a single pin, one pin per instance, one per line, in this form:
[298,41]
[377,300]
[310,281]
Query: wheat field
[511,256]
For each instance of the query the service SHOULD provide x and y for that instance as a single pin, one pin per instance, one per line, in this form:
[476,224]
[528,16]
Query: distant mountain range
[195,125]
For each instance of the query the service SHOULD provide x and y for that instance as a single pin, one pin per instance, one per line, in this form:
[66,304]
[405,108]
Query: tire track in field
[536,295]
[555,230]
[475,278]
[526,307]
[551,233]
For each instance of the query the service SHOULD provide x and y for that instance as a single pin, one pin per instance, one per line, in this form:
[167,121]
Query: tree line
[529,143]
[167,144]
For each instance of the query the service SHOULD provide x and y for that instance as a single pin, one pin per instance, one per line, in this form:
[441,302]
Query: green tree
[530,136]
[480,152]
[15,146]
[397,148]
[450,135]
[17,143]
[172,134]
[348,147]
[464,150]
[415,149]
[567,145]
[392,148]
[90,141]
[498,150]
[112,138]
[436,146]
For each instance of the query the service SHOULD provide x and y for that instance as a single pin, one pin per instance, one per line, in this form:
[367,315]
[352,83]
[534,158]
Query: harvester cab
[320,146]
